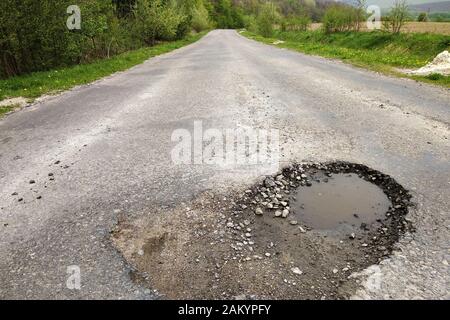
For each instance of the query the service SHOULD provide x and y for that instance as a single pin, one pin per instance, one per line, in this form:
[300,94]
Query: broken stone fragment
[269,183]
[296,270]
[258,211]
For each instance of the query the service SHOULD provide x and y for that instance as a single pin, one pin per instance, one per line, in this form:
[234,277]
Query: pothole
[262,243]
[339,201]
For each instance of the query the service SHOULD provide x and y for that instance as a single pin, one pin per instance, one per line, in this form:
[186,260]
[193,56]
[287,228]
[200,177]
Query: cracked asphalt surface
[108,146]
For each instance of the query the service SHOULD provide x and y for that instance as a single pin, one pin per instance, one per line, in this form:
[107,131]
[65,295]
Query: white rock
[296,270]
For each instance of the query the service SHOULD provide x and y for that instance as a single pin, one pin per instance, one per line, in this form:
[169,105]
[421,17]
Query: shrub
[250,23]
[435,76]
[298,23]
[200,18]
[268,15]
[155,21]
[338,18]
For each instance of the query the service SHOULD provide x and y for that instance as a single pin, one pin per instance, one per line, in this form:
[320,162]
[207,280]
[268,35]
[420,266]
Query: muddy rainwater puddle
[345,200]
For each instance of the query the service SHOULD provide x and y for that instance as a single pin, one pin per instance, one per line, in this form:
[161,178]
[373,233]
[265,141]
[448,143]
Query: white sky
[388,3]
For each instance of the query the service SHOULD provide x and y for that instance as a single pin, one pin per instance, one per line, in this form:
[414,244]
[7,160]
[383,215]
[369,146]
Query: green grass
[6,109]
[47,82]
[379,51]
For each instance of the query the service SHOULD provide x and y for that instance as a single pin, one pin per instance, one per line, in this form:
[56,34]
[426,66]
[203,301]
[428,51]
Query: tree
[423,17]
[397,16]
[360,13]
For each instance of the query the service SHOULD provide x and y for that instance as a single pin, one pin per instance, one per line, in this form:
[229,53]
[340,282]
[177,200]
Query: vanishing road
[103,151]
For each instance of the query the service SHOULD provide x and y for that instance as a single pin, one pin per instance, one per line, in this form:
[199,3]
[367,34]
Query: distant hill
[431,7]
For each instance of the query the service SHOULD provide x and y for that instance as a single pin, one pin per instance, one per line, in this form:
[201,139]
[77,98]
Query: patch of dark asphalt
[252,244]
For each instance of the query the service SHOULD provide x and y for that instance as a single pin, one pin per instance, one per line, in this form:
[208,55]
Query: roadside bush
[297,23]
[267,17]
[435,76]
[155,21]
[338,18]
[200,18]
[250,23]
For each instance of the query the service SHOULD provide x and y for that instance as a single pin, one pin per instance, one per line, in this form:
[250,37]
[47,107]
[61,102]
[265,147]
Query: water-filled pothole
[339,200]
[255,244]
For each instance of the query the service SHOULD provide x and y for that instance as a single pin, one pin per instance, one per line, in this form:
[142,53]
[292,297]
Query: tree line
[34,35]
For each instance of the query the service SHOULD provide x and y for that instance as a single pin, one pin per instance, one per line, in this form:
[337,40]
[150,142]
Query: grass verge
[378,51]
[46,82]
[7,108]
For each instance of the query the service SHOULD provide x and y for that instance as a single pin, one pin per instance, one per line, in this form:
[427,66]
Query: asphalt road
[108,146]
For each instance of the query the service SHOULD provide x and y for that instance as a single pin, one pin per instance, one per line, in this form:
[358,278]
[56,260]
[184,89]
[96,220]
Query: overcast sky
[388,3]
